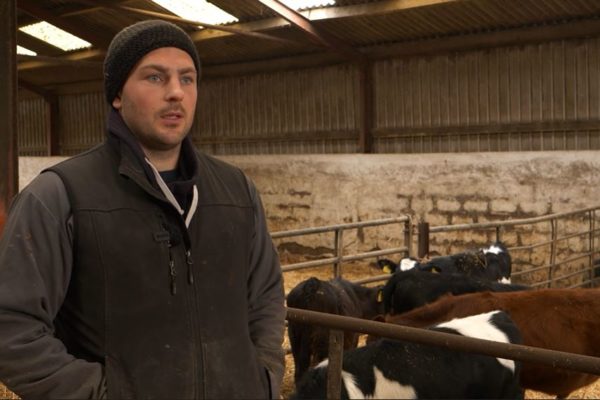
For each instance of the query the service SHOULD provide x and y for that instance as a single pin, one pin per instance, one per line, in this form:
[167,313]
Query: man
[142,268]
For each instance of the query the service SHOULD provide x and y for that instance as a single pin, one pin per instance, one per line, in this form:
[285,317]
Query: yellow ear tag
[387,269]
[435,270]
[380,296]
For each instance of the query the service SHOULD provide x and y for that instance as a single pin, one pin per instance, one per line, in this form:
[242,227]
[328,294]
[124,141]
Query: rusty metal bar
[332,260]
[339,252]
[408,237]
[556,264]
[557,359]
[592,222]
[9,166]
[309,264]
[423,240]
[334,370]
[547,242]
[513,222]
[371,279]
[331,228]
[554,228]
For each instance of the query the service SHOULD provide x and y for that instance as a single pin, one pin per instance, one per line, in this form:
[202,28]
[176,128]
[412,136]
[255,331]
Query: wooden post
[9,171]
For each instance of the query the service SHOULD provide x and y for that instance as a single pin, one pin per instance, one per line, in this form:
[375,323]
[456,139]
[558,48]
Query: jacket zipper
[190,262]
[172,270]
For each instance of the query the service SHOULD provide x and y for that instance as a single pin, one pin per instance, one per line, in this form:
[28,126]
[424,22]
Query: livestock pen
[555,250]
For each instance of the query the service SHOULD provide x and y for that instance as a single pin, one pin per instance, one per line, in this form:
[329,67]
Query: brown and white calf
[558,319]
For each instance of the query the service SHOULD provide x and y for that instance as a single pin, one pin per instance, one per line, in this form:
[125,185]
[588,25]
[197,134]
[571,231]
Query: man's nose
[174,90]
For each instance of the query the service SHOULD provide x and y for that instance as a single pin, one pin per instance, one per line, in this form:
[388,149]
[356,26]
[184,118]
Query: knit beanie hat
[134,42]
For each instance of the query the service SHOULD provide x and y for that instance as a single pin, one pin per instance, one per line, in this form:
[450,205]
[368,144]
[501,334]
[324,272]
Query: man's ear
[116,103]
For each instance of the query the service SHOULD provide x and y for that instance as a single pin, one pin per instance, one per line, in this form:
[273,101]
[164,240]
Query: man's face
[158,99]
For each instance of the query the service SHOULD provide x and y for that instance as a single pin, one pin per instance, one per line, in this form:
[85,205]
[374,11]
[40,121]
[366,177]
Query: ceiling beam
[40,91]
[316,34]
[39,46]
[31,8]
[360,10]
[78,58]
[224,28]
[371,9]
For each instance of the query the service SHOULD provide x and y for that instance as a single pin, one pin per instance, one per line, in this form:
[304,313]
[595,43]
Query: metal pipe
[554,358]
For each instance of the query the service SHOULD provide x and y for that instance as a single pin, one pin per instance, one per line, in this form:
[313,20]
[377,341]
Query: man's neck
[163,160]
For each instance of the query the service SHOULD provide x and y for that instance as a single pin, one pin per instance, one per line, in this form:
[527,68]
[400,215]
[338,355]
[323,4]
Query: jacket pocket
[232,370]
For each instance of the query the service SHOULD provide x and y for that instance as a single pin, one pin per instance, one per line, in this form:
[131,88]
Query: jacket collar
[135,165]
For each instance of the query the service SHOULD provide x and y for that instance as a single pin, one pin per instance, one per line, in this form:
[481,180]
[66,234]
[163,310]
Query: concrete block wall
[299,191]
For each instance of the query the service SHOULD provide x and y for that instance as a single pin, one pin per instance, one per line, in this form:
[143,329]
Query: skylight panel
[307,4]
[55,36]
[25,52]
[197,10]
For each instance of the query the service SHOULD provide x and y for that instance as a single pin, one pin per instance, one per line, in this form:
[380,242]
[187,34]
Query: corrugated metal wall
[534,97]
[32,120]
[305,111]
[82,120]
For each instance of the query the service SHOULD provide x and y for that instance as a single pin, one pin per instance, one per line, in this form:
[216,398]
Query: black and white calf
[390,267]
[492,263]
[310,343]
[410,289]
[389,369]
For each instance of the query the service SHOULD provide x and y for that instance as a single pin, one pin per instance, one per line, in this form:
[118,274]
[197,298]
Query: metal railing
[517,352]
[338,244]
[555,238]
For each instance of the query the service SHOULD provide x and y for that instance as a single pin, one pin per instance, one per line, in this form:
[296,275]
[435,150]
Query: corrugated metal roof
[359,25]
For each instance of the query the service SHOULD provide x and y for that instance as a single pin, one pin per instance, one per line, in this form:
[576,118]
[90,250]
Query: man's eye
[187,80]
[154,78]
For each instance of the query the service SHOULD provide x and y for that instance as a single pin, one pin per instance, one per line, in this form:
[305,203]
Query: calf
[558,319]
[406,290]
[492,263]
[310,344]
[390,369]
[390,267]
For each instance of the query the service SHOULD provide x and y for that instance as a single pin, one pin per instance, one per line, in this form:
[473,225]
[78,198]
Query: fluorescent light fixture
[55,36]
[25,52]
[197,10]
[307,4]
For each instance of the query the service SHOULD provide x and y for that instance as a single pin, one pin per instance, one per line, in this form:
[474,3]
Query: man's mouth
[172,115]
